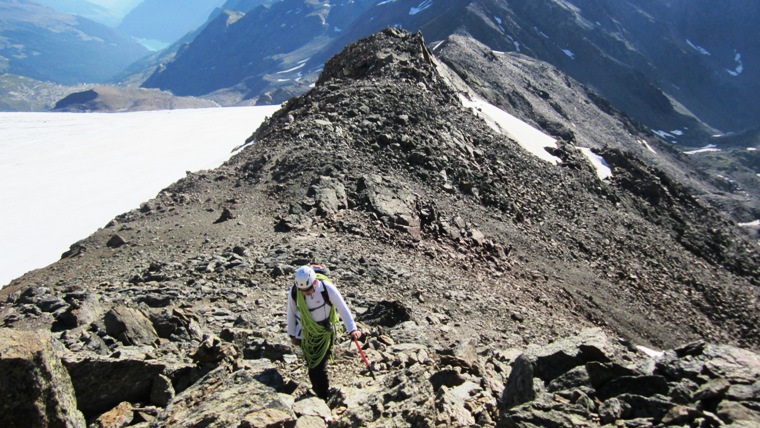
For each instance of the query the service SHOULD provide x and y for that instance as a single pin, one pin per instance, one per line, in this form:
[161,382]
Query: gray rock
[550,361]
[329,195]
[733,412]
[35,388]
[116,241]
[225,399]
[640,385]
[577,377]
[130,326]
[101,383]
[162,391]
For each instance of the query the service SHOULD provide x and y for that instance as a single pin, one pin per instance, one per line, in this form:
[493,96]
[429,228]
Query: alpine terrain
[556,273]
[42,44]
[682,68]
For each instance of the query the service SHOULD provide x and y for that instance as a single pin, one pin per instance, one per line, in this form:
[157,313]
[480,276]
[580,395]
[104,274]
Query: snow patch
[707,148]
[292,69]
[739,66]
[528,137]
[65,175]
[699,49]
[602,167]
[663,134]
[422,6]
[499,24]
[650,352]
[645,144]
[755,223]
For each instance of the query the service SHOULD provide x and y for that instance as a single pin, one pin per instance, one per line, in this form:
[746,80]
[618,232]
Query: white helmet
[305,277]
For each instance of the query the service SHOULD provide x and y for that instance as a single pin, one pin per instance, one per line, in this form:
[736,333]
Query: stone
[162,391]
[733,412]
[35,388]
[640,385]
[101,383]
[267,418]
[222,398]
[130,326]
[118,417]
[116,241]
[312,406]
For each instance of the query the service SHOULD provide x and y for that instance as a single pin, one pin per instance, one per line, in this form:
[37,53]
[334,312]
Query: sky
[64,175]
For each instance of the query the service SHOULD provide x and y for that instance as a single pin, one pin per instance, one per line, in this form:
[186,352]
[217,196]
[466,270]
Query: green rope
[316,338]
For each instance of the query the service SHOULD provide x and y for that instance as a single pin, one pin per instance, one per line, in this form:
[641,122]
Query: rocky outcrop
[35,388]
[588,381]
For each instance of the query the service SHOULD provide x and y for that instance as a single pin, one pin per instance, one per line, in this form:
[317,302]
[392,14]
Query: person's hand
[294,341]
[355,335]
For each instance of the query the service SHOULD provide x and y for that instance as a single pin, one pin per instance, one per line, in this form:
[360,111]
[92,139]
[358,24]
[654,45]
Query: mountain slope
[109,16]
[166,20]
[444,233]
[50,46]
[677,67]
[25,94]
[540,94]
[269,43]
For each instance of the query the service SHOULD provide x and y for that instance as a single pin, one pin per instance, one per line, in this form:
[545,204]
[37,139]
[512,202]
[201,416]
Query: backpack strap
[325,295]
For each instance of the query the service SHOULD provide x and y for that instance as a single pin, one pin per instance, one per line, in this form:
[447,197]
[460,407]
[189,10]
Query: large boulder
[546,363]
[101,383]
[35,388]
[130,326]
[221,398]
[583,379]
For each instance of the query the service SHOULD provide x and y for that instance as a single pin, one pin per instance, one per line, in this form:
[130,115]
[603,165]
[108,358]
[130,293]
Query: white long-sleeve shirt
[319,309]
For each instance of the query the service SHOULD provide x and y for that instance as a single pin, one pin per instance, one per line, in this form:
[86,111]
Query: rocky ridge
[455,248]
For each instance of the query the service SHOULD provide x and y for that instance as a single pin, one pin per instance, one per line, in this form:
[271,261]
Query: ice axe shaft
[364,357]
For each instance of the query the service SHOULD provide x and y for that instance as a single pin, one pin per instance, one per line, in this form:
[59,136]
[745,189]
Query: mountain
[677,67]
[166,21]
[502,276]
[268,44]
[632,55]
[46,45]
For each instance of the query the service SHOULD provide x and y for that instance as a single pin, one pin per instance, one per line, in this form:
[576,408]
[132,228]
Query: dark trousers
[320,382]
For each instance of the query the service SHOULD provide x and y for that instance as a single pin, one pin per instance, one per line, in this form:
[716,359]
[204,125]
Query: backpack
[321,272]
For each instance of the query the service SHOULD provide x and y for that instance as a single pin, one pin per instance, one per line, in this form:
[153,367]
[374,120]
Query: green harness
[317,338]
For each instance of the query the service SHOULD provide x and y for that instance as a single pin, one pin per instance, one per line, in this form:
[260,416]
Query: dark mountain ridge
[454,245]
[677,67]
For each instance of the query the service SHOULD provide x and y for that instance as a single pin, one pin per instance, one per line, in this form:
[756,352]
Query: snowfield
[64,175]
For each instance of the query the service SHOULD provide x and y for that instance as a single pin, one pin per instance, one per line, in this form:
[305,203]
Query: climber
[314,304]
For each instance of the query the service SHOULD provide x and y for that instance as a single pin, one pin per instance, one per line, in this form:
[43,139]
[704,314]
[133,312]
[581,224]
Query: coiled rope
[316,338]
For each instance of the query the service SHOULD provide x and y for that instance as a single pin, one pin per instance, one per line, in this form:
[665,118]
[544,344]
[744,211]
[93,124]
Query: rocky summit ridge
[494,287]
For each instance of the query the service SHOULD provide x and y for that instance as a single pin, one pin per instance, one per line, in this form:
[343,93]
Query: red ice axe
[364,357]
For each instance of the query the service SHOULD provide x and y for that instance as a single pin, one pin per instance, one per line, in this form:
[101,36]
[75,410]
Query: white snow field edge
[64,175]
